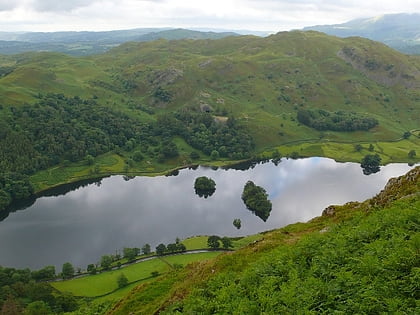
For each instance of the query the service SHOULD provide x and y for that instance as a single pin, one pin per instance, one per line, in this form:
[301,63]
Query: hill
[146,108]
[356,258]
[400,31]
[88,43]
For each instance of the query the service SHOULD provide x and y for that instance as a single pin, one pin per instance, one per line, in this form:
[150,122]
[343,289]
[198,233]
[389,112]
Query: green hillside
[356,258]
[146,108]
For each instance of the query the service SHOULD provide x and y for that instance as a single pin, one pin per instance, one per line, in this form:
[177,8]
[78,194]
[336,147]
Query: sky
[258,15]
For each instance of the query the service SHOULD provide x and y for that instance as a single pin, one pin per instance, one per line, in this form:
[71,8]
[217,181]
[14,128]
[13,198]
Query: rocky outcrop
[399,187]
[329,211]
[387,74]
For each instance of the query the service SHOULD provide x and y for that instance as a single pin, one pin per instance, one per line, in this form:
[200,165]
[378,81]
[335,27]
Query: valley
[255,86]
[299,109]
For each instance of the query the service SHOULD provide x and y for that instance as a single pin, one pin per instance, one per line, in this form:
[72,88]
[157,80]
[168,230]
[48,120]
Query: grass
[106,282]
[196,242]
[246,240]
[184,259]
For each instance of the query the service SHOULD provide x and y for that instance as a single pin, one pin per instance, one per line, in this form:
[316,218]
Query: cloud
[59,6]
[267,15]
[7,5]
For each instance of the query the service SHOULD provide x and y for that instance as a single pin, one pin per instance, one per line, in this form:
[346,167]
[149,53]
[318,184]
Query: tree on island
[371,164]
[237,223]
[204,186]
[256,199]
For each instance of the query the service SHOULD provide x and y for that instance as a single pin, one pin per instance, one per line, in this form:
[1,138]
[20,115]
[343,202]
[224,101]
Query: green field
[106,282]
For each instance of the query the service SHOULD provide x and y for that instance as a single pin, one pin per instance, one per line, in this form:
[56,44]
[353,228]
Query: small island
[256,199]
[204,186]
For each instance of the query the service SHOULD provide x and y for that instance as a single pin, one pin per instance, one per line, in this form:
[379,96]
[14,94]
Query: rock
[329,211]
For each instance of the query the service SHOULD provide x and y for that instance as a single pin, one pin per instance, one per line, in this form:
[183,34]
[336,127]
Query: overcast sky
[263,15]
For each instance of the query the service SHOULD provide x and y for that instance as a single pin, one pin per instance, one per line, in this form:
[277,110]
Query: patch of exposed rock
[167,76]
[205,63]
[385,74]
[329,211]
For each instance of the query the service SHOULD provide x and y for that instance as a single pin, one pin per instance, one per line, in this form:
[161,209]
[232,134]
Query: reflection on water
[95,220]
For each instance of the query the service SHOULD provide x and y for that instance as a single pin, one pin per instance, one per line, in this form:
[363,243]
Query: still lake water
[91,221]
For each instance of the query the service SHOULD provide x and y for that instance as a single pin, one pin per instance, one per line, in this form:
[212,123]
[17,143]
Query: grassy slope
[386,224]
[106,282]
[261,81]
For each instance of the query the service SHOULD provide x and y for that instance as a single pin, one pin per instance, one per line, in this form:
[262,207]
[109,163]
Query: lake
[103,218]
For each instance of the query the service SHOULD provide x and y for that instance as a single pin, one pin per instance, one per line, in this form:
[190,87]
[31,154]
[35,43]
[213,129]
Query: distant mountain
[88,43]
[399,31]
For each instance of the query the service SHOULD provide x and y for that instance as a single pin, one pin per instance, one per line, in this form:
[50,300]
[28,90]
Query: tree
[213,242]
[106,261]
[371,147]
[46,273]
[412,154]
[5,199]
[204,186]
[237,223]
[38,308]
[172,248]
[160,249]
[181,247]
[66,302]
[130,253]
[214,155]
[226,242]
[406,134]
[370,164]
[91,269]
[194,155]
[67,271]
[358,147]
[90,160]
[122,281]
[146,249]
[169,150]
[256,200]
[137,156]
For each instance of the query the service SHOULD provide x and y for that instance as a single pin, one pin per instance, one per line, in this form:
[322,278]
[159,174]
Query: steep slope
[400,31]
[358,258]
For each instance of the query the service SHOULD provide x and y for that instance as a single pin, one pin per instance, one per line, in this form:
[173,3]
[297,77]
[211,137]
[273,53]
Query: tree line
[59,129]
[320,119]
[25,291]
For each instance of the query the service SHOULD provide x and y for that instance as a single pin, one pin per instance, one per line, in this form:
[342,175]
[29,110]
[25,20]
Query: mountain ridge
[400,31]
